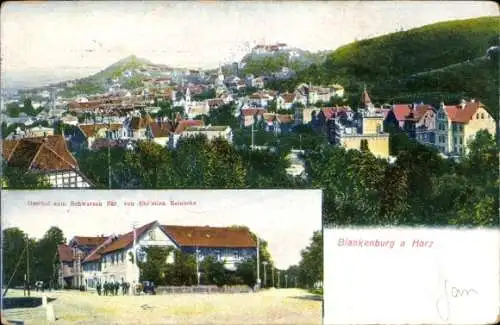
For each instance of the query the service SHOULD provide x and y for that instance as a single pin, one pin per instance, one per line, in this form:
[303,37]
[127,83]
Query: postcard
[162,257]
[390,108]
[411,276]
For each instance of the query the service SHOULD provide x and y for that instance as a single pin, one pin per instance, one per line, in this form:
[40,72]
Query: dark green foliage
[42,254]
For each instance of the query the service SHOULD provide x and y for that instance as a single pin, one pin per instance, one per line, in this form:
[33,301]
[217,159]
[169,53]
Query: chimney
[462,104]
[472,100]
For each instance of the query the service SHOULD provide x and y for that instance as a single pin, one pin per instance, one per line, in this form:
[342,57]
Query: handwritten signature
[444,300]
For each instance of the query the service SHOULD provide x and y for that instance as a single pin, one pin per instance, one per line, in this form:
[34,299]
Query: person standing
[99,287]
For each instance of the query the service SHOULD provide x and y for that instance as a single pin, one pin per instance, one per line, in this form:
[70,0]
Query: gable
[155,236]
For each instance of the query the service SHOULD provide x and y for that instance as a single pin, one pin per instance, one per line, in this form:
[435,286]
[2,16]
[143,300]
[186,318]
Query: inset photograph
[162,257]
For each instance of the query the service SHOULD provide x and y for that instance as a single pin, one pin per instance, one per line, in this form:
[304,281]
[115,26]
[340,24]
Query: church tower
[187,101]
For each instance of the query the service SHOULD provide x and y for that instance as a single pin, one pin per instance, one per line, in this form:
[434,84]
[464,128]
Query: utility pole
[109,158]
[197,266]
[28,265]
[251,147]
[265,273]
[258,260]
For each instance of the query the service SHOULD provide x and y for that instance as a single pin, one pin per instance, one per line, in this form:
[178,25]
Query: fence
[202,289]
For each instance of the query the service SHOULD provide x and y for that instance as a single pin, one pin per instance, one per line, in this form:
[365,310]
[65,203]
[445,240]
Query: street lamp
[279,285]
[286,280]
[265,273]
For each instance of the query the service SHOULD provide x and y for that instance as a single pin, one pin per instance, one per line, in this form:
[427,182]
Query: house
[114,258]
[137,126]
[34,132]
[92,132]
[198,108]
[179,126]
[413,117]
[69,120]
[211,132]
[278,123]
[260,99]
[71,256]
[315,94]
[248,116]
[286,100]
[159,131]
[48,156]
[457,125]
[363,129]
[326,113]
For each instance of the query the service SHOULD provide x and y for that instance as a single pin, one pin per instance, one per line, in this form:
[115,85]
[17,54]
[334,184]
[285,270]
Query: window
[477,116]
[152,235]
[217,254]
[236,254]
[441,126]
[122,255]
[482,116]
[460,140]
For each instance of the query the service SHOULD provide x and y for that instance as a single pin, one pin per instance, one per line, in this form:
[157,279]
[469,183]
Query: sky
[78,37]
[286,219]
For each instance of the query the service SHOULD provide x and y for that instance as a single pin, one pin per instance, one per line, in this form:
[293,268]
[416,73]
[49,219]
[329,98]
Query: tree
[45,262]
[183,271]
[311,264]
[224,115]
[17,178]
[213,272]
[155,267]
[13,110]
[247,272]
[14,244]
[364,145]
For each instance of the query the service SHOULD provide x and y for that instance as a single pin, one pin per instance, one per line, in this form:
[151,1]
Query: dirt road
[280,306]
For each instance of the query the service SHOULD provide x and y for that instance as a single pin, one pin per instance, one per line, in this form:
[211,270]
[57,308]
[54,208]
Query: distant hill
[99,81]
[477,78]
[416,50]
[386,63]
[293,58]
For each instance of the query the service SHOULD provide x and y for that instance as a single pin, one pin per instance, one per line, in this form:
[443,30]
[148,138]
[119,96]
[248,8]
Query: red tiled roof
[161,129]
[253,111]
[331,112]
[139,122]
[214,237]
[65,253]
[126,240]
[402,111]
[183,124]
[90,130]
[89,241]
[40,153]
[462,115]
